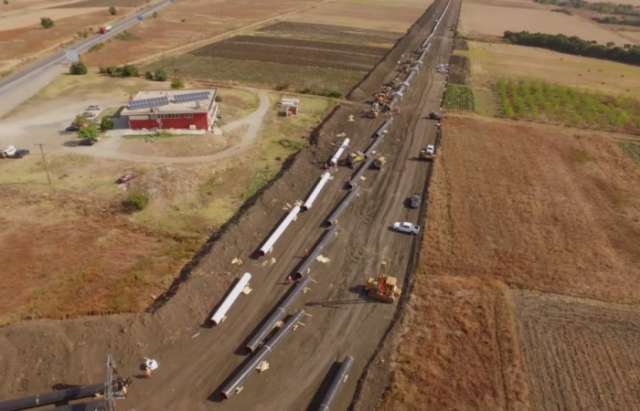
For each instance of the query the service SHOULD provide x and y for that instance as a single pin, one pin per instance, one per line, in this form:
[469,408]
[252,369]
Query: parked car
[406,227]
[87,142]
[72,127]
[434,115]
[93,107]
[413,201]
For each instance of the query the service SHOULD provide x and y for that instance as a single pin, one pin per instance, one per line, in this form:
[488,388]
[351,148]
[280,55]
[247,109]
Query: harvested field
[490,62]
[458,349]
[580,354]
[331,33]
[538,207]
[263,74]
[187,22]
[282,60]
[482,20]
[294,52]
[372,15]
[106,3]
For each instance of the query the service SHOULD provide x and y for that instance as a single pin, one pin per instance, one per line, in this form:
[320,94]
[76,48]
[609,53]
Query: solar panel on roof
[183,98]
[148,103]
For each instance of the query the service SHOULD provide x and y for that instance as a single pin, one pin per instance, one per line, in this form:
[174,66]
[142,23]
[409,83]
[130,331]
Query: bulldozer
[383,288]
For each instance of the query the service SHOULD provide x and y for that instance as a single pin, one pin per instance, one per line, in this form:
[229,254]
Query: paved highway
[38,74]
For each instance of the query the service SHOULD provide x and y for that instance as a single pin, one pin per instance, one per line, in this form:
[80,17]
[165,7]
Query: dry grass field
[517,210]
[395,16]
[485,19]
[540,207]
[458,349]
[580,354]
[493,61]
[50,236]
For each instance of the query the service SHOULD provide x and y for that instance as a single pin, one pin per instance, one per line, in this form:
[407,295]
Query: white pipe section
[336,157]
[267,247]
[221,312]
[314,194]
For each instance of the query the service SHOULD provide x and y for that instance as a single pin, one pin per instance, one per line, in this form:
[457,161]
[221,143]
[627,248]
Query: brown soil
[538,207]
[184,23]
[42,353]
[51,261]
[458,349]
[106,3]
[343,34]
[294,52]
[580,355]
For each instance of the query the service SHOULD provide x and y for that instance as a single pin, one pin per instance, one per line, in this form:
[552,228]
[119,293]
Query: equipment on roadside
[13,152]
[383,288]
[355,158]
[378,163]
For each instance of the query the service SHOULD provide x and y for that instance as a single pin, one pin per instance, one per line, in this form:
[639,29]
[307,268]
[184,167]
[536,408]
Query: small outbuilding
[289,106]
[172,109]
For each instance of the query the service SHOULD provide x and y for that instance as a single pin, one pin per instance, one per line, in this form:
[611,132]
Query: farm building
[172,109]
[289,106]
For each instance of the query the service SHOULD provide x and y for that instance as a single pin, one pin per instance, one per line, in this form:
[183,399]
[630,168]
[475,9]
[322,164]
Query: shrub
[148,75]
[218,98]
[78,68]
[113,11]
[281,86]
[46,22]
[177,83]
[106,123]
[129,70]
[136,201]
[160,75]
[89,132]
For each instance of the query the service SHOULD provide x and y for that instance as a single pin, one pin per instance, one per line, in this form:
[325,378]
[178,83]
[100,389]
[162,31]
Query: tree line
[629,54]
[600,7]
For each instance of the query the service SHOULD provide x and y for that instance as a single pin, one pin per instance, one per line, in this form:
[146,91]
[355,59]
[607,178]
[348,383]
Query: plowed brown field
[539,207]
[580,355]
[462,355]
[514,207]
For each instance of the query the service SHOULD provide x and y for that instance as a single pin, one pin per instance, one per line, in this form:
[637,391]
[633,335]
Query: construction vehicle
[355,158]
[383,288]
[378,163]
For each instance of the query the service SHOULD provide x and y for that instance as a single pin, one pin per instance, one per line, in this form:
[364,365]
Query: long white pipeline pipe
[324,179]
[336,157]
[267,247]
[221,313]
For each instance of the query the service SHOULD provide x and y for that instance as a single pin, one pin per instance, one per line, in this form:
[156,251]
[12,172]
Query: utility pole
[46,166]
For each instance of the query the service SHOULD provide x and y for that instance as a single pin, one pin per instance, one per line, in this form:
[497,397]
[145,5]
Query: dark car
[413,201]
[86,142]
[21,152]
[71,128]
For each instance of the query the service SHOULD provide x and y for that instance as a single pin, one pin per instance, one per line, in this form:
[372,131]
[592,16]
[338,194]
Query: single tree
[113,11]
[78,68]
[46,22]
[106,123]
[129,70]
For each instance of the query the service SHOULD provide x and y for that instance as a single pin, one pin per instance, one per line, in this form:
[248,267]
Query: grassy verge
[459,97]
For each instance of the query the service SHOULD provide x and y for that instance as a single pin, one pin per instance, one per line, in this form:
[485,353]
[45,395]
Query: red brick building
[172,109]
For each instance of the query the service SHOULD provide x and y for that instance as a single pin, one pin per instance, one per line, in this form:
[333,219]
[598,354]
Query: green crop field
[459,97]
[541,101]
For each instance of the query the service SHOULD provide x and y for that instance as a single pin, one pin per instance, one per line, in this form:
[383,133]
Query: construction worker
[149,366]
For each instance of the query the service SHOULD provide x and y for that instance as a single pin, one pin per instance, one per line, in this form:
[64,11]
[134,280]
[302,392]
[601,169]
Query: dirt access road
[194,359]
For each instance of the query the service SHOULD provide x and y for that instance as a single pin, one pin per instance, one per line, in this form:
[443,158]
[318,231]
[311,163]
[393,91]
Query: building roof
[170,102]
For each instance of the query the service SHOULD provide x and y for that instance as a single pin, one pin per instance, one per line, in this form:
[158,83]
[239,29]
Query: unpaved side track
[194,359]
